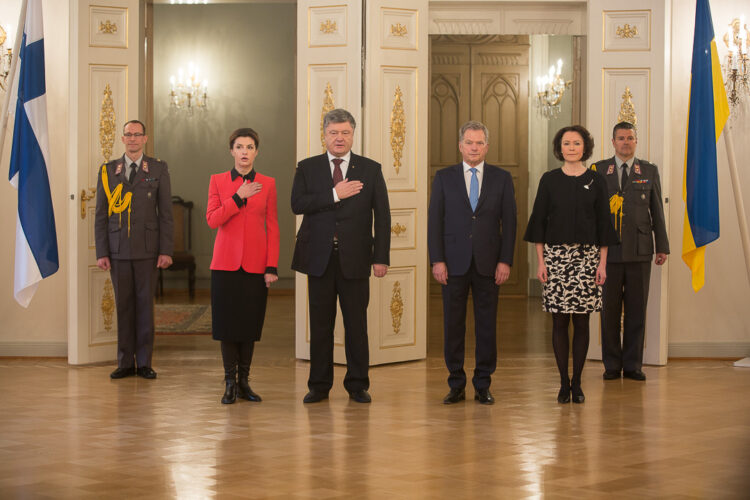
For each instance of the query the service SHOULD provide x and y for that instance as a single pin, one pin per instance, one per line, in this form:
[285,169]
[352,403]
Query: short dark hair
[134,121]
[338,115]
[624,126]
[244,132]
[588,142]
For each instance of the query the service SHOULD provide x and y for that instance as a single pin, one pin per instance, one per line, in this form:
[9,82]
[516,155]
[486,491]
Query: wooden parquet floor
[71,432]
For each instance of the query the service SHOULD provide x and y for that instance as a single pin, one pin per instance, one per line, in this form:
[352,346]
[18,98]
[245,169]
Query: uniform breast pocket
[642,193]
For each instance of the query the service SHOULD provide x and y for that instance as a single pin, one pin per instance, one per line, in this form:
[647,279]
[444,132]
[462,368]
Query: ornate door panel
[105,41]
[484,78]
[329,76]
[627,71]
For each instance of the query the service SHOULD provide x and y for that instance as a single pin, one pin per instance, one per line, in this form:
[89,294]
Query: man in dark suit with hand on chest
[346,228]
[471,236]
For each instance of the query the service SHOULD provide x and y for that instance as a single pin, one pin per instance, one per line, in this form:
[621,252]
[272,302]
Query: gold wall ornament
[108,304]
[328,105]
[397,307]
[107,124]
[328,27]
[107,27]
[398,129]
[398,229]
[3,35]
[627,109]
[398,29]
[627,31]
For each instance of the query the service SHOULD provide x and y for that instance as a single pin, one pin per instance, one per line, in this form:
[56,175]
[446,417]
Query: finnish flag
[36,238]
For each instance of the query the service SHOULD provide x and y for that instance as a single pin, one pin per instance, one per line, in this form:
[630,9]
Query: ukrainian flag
[708,113]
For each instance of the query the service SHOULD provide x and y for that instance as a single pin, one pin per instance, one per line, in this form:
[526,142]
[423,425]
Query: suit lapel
[457,179]
[487,182]
[354,170]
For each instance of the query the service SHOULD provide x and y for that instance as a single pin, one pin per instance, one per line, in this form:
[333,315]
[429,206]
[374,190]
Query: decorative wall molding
[108,27]
[326,86]
[398,318]
[327,26]
[626,30]
[34,349]
[495,18]
[616,82]
[398,102]
[709,350]
[108,99]
[495,59]
[403,229]
[102,311]
[399,28]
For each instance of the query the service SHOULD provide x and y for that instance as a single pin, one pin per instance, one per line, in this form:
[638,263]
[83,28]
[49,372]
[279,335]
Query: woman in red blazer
[242,205]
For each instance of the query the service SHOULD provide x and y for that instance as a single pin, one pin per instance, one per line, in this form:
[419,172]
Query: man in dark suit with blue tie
[471,237]
[346,228]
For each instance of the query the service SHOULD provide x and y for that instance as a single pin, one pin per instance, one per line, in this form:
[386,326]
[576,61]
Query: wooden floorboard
[71,432]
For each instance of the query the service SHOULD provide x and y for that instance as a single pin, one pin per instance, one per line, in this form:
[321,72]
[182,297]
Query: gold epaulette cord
[116,202]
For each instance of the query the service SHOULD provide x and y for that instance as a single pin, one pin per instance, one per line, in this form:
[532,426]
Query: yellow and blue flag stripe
[708,112]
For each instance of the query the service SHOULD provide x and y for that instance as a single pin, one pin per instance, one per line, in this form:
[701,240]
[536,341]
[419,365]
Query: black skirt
[238,305]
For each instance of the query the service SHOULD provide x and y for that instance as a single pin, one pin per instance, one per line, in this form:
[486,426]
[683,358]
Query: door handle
[84,198]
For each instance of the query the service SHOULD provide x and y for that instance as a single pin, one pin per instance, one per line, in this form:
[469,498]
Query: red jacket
[248,237]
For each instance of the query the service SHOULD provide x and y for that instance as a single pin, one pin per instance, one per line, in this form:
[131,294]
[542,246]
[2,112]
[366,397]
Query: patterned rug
[182,319]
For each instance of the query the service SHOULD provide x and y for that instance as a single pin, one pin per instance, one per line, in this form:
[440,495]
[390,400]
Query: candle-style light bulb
[559,66]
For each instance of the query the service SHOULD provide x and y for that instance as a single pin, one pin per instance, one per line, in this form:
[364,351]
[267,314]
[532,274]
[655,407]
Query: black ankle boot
[564,395]
[243,387]
[230,394]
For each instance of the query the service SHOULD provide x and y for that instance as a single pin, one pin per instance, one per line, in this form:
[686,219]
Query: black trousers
[134,282]
[484,291]
[353,296]
[627,283]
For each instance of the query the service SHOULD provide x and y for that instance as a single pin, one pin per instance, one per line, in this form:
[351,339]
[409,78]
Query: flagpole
[12,74]
[738,201]
[740,206]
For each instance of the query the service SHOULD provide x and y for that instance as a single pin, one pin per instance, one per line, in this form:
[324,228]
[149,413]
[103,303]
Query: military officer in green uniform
[638,217]
[134,236]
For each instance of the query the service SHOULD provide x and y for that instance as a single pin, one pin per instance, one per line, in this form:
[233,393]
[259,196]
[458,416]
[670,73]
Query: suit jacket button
[473,217]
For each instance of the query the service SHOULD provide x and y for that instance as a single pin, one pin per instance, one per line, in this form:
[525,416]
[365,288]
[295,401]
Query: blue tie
[474,189]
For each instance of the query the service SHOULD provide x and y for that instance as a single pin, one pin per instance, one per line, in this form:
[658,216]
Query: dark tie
[338,176]
[133,166]
[624,176]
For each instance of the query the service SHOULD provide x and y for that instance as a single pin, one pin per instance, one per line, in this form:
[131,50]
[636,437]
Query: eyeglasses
[137,134]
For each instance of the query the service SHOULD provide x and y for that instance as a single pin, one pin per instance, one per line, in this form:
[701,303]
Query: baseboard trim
[34,349]
[709,350]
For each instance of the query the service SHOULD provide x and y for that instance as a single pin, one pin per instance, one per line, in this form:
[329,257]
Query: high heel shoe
[578,396]
[564,395]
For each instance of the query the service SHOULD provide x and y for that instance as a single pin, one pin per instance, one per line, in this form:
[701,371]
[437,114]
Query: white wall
[247,53]
[41,329]
[716,320]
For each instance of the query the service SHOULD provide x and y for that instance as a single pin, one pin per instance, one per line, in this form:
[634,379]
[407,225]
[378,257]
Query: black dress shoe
[635,375]
[484,396]
[454,396]
[564,395]
[245,392]
[577,394]
[123,372]
[360,396]
[314,397]
[146,372]
[611,374]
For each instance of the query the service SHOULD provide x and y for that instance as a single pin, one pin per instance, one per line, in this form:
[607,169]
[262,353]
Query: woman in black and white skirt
[571,228]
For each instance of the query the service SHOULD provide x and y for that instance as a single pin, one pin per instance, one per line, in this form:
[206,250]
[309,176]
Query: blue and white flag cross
[36,238]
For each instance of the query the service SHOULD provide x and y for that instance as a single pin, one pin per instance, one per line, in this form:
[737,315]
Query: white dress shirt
[344,167]
[467,177]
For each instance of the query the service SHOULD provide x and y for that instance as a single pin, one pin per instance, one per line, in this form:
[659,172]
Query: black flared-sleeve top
[569,210]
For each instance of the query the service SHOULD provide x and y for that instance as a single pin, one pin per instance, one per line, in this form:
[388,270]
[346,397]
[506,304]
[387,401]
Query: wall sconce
[6,56]
[188,92]
[736,78]
[550,89]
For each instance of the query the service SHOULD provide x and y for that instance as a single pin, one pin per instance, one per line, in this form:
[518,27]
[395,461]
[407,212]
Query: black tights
[560,323]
